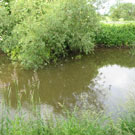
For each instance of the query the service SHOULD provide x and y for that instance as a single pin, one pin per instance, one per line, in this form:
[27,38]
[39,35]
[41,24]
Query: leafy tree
[123,10]
[41,31]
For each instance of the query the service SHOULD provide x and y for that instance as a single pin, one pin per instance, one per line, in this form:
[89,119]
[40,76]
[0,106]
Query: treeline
[125,11]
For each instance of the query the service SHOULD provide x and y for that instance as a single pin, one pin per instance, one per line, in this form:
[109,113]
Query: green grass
[76,122]
[88,123]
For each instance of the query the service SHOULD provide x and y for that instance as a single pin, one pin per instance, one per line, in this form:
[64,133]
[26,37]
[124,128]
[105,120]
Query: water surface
[102,80]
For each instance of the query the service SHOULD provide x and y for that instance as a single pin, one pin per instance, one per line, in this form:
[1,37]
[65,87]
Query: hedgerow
[116,35]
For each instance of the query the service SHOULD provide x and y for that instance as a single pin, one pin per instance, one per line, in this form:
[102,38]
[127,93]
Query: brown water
[102,80]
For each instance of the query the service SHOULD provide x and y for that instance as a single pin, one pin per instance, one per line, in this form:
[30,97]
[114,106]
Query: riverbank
[54,33]
[86,122]
[80,120]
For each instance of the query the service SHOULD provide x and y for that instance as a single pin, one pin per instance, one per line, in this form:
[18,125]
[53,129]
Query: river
[103,80]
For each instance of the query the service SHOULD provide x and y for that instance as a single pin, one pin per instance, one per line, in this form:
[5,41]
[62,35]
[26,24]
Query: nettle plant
[116,35]
[41,31]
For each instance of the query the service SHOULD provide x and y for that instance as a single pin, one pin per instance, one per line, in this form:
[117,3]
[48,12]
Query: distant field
[118,22]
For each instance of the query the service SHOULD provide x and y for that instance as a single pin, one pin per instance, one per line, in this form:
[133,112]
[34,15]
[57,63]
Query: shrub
[6,25]
[43,31]
[116,35]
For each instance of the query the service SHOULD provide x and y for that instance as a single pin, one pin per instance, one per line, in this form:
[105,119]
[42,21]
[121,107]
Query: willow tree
[37,32]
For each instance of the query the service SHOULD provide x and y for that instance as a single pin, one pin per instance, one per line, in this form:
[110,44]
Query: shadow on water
[101,80]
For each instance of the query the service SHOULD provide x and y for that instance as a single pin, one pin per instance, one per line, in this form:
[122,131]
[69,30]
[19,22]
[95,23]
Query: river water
[103,81]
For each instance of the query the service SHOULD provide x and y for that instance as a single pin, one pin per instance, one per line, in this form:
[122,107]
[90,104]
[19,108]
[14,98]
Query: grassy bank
[76,122]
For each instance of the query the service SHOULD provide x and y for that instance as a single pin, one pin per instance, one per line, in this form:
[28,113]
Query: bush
[116,35]
[6,24]
[41,32]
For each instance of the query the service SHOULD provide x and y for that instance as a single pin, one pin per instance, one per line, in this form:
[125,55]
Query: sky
[109,3]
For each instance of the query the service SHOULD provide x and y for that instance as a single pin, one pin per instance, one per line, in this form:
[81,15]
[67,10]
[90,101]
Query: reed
[77,122]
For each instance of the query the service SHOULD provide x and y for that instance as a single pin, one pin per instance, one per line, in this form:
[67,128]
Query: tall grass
[77,122]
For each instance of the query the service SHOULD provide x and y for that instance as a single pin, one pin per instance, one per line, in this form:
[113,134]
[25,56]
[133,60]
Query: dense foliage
[38,32]
[116,35]
[123,10]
